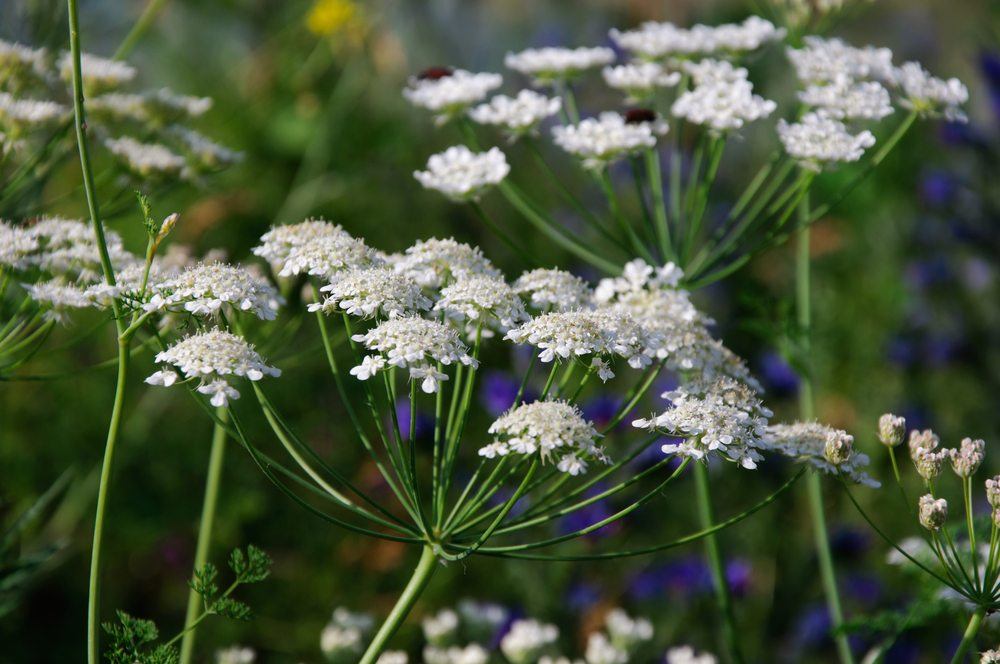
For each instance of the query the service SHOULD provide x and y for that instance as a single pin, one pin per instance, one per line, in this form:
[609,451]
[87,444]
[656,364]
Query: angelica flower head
[552,289]
[67,248]
[441,628]
[639,80]
[554,64]
[147,160]
[434,263]
[449,93]
[98,73]
[215,358]
[688,655]
[891,430]
[518,115]
[463,175]
[965,460]
[482,301]
[931,96]
[827,60]
[375,291]
[58,298]
[808,442]
[600,650]
[724,417]
[205,288]
[845,99]
[626,632]
[528,640]
[722,106]
[818,140]
[933,512]
[607,138]
[556,431]
[313,246]
[415,344]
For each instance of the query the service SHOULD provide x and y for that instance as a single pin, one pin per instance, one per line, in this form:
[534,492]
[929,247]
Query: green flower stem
[654,175]
[970,527]
[803,305]
[969,637]
[652,233]
[414,588]
[522,253]
[212,479]
[140,28]
[489,488]
[723,595]
[716,147]
[631,400]
[455,440]
[409,469]
[570,113]
[638,246]
[549,380]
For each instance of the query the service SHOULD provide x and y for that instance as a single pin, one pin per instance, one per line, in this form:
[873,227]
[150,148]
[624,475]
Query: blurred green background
[906,299]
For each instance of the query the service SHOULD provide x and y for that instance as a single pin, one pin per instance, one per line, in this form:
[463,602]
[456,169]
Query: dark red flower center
[639,115]
[435,73]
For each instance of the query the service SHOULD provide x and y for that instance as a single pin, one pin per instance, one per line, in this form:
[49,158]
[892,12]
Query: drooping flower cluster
[555,431]
[461,174]
[368,292]
[215,358]
[600,141]
[808,442]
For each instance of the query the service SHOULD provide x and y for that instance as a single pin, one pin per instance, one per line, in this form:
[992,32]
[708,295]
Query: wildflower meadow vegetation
[499,332]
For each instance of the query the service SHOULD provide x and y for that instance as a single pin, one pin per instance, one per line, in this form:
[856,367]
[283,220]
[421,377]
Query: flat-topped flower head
[928,95]
[328,255]
[845,99]
[204,289]
[551,64]
[204,153]
[639,80]
[933,513]
[415,344]
[434,263]
[98,73]
[722,106]
[828,60]
[472,653]
[214,358]
[517,115]
[58,299]
[280,242]
[464,175]
[600,650]
[147,160]
[67,248]
[656,41]
[17,245]
[555,431]
[370,292]
[808,442]
[724,417]
[554,290]
[481,300]
[528,640]
[626,632]
[607,138]
[688,655]
[749,35]
[23,115]
[965,460]
[157,109]
[817,141]
[710,70]
[449,93]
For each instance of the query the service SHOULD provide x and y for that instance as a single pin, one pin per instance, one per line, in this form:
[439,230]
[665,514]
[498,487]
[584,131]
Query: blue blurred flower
[683,578]
[937,187]
[813,626]
[602,409]
[498,391]
[989,65]
[866,589]
[739,575]
[582,595]
[847,542]
[778,375]
[923,274]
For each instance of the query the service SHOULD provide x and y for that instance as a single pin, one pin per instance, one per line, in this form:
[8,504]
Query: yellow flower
[330,17]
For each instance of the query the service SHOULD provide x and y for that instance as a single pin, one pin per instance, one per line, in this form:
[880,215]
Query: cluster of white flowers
[288,241]
[554,430]
[327,255]
[342,640]
[160,107]
[688,655]
[207,153]
[600,650]
[441,627]
[148,160]
[235,655]
[518,115]
[434,263]
[25,114]
[817,140]
[473,653]
[482,301]
[205,288]
[481,619]
[725,417]
[846,99]
[412,343]
[374,291]
[449,93]
[722,104]
[927,458]
[19,62]
[990,656]
[528,640]
[554,290]
[98,73]
[551,64]
[639,80]
[933,513]
[829,60]
[807,442]
[966,459]
[929,95]
[461,174]
[607,138]
[17,245]
[655,41]
[213,357]
[58,298]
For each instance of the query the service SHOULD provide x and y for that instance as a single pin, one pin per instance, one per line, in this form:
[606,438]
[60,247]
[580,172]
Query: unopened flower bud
[996,516]
[167,226]
[839,447]
[933,513]
[922,440]
[891,429]
[928,462]
[965,461]
[993,491]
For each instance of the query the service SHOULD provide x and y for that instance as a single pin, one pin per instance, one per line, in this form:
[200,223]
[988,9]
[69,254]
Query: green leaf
[252,567]
[228,607]
[152,228]
[131,639]
[204,582]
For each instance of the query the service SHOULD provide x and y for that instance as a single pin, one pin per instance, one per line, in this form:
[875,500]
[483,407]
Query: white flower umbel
[16,246]
[440,629]
[724,417]
[449,93]
[518,115]
[556,431]
[434,263]
[600,650]
[990,656]
[639,80]
[207,153]
[481,619]
[553,64]
[607,138]
[722,105]
[928,95]
[470,654]
[235,655]
[370,292]
[711,70]
[393,657]
[415,344]
[817,141]
[205,288]
[463,175]
[19,115]
[827,60]
[482,301]
[20,63]
[933,513]
[688,655]
[806,442]
[58,299]
[148,160]
[655,41]
[626,632]
[845,99]
[67,248]
[313,246]
[215,358]
[554,290]
[528,640]
[98,73]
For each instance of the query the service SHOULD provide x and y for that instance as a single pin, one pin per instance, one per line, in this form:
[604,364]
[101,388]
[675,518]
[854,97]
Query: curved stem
[215,460]
[418,581]
[969,637]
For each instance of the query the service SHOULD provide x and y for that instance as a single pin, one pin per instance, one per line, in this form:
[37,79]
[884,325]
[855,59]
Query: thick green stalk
[418,581]
[803,305]
[654,175]
[723,596]
[215,460]
[969,638]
